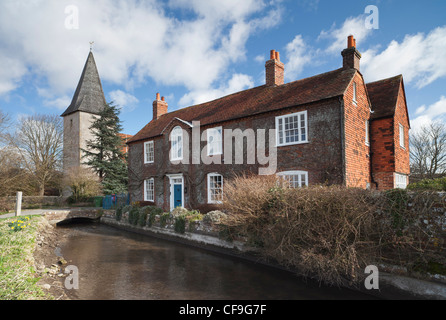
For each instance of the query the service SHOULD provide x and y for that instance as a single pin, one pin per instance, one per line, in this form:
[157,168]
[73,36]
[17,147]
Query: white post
[18,204]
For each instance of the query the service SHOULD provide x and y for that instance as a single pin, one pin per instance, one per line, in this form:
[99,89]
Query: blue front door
[177,195]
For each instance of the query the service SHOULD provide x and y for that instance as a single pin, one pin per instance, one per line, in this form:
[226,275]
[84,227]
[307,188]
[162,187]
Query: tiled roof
[255,101]
[89,96]
[383,96]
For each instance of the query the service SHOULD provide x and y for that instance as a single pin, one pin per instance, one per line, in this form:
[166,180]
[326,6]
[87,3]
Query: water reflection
[115,264]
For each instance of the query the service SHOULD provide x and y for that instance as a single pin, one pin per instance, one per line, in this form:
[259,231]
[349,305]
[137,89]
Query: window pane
[149,196]
[292,129]
[215,188]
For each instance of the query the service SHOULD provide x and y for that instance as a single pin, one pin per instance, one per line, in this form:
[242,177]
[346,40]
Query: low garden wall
[31,202]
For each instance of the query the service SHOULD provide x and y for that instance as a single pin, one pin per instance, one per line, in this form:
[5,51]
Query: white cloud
[11,71]
[299,55]
[238,82]
[338,36]
[125,101]
[428,114]
[134,40]
[419,57]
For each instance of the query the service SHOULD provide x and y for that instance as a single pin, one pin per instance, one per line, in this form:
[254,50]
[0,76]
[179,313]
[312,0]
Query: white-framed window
[149,152]
[292,129]
[215,188]
[176,140]
[400,181]
[149,190]
[367,135]
[402,140]
[296,179]
[354,93]
[215,141]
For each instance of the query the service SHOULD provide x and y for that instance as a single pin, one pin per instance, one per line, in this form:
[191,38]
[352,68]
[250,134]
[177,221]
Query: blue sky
[193,51]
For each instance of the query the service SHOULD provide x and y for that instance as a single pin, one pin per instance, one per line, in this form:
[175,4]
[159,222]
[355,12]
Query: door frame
[171,188]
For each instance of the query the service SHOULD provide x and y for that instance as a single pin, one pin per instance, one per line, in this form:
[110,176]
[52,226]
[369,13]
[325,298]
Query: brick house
[332,128]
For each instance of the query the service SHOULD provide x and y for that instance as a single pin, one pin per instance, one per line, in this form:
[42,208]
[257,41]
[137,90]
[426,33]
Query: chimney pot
[158,97]
[277,56]
[163,99]
[273,54]
[351,42]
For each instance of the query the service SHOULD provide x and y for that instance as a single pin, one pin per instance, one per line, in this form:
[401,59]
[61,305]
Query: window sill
[215,202]
[291,144]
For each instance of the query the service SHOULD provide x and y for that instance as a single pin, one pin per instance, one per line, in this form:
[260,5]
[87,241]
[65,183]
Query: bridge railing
[115,200]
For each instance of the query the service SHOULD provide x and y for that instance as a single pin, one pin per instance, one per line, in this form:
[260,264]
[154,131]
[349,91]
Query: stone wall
[31,202]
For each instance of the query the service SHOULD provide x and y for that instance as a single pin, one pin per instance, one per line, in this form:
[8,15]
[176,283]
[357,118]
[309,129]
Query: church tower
[88,101]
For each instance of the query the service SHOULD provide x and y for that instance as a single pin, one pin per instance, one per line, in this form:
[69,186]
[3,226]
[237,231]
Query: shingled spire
[89,96]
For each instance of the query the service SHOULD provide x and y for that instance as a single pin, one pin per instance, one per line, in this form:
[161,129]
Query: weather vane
[91,45]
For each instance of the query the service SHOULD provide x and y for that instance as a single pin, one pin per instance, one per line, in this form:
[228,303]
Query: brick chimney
[159,107]
[351,55]
[274,70]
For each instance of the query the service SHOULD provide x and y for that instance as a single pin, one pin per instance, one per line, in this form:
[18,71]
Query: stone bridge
[70,215]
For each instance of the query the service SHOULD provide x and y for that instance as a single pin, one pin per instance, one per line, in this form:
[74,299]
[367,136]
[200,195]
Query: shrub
[118,213]
[142,218]
[153,212]
[180,224]
[214,217]
[84,185]
[332,233]
[438,184]
[134,215]
[323,232]
[164,219]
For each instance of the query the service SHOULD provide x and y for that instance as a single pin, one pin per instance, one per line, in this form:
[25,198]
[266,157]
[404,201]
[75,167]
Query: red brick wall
[388,157]
[357,153]
[402,159]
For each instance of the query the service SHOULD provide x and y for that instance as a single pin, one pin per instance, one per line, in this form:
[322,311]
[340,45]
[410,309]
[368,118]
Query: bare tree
[39,142]
[4,123]
[428,151]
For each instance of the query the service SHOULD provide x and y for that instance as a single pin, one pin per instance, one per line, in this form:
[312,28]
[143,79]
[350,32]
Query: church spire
[89,96]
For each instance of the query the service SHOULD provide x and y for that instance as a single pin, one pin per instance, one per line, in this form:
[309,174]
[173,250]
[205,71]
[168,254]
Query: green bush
[153,212]
[438,184]
[118,213]
[180,224]
[134,216]
[142,218]
[164,219]
[396,205]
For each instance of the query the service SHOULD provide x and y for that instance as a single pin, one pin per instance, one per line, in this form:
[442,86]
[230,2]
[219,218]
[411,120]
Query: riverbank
[394,284]
[27,245]
[32,266]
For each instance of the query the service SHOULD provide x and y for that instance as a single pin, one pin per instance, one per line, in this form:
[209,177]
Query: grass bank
[18,279]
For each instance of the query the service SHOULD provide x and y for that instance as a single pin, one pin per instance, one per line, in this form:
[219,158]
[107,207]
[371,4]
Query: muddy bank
[48,262]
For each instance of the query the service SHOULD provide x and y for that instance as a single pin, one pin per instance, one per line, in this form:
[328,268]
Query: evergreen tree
[104,152]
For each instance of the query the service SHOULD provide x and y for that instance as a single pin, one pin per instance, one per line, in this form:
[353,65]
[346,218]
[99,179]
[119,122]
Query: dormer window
[176,147]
